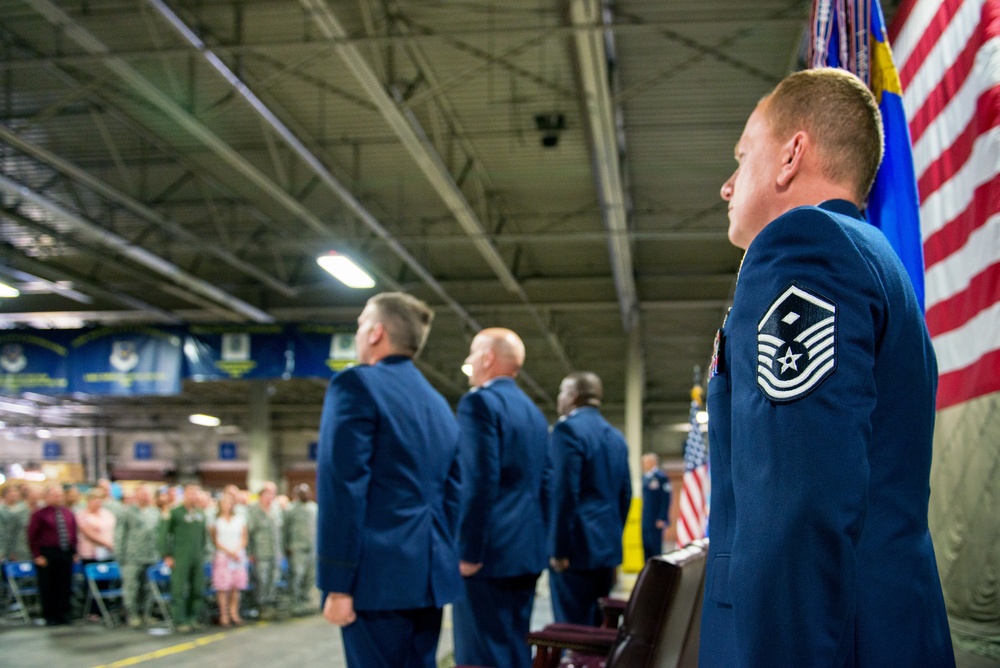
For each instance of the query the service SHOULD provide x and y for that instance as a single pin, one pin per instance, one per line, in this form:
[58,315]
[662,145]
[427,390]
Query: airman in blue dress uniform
[821,407]
[592,495]
[506,478]
[389,495]
[656,493]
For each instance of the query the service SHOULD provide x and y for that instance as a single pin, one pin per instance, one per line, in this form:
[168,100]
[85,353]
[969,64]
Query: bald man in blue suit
[506,475]
[388,485]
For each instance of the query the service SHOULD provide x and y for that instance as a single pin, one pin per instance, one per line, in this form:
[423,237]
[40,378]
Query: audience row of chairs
[103,585]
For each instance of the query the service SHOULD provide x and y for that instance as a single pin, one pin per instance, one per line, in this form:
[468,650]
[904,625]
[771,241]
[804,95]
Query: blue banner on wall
[34,362]
[227,450]
[320,350]
[143,450]
[313,451]
[126,361]
[51,450]
[223,352]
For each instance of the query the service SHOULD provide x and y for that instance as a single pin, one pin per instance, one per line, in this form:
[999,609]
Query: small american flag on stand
[693,519]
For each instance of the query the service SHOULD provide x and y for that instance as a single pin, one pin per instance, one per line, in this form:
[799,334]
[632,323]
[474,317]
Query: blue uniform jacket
[506,473]
[655,499]
[388,489]
[593,490]
[821,406]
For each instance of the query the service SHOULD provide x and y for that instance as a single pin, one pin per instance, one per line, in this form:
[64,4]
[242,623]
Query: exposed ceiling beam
[141,256]
[607,139]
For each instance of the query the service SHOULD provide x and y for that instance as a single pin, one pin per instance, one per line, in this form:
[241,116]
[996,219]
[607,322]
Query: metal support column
[635,385]
[261,456]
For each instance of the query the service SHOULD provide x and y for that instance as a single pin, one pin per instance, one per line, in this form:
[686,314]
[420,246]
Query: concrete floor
[308,641]
[305,641]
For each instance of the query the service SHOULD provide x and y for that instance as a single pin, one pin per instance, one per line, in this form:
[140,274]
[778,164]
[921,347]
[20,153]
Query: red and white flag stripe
[948,56]
[692,519]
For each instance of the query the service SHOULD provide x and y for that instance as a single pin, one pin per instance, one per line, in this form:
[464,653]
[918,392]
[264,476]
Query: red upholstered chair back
[661,624]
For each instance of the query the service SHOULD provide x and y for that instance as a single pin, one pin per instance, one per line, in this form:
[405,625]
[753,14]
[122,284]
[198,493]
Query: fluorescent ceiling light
[467,369]
[345,271]
[204,420]
[43,433]
[7,291]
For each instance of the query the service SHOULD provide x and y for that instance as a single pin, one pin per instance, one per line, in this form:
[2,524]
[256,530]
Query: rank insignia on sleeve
[796,344]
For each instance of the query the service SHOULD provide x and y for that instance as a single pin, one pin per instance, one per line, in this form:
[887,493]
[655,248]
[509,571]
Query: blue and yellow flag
[850,34]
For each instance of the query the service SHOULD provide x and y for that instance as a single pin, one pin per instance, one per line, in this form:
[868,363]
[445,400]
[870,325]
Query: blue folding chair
[23,582]
[106,572]
[158,585]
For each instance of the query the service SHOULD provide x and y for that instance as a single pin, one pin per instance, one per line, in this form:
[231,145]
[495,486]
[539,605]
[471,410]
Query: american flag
[948,54]
[693,519]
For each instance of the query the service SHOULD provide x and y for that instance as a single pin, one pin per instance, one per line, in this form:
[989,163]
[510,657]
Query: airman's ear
[792,154]
[376,333]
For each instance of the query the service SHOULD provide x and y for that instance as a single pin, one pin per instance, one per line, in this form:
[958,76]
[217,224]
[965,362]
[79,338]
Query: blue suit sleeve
[343,475]
[480,453]
[453,495]
[548,486]
[567,451]
[801,485]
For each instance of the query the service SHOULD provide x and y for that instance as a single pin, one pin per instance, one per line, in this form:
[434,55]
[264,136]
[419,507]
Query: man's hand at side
[339,609]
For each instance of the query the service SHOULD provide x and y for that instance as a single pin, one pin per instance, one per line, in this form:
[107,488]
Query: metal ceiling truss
[96,233]
[141,210]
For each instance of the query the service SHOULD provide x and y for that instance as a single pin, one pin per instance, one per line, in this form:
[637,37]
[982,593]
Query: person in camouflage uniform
[182,538]
[11,497]
[264,524]
[19,515]
[300,547]
[136,539]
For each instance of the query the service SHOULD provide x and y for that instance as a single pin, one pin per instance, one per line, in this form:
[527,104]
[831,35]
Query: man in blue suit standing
[655,505]
[506,473]
[388,493]
[821,406]
[592,497]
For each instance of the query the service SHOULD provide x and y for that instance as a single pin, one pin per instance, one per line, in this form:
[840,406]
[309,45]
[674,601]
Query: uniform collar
[496,379]
[842,206]
[394,359]
[582,408]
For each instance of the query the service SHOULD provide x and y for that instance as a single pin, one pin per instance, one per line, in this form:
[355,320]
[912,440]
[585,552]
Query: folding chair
[109,573]
[23,582]
[158,585]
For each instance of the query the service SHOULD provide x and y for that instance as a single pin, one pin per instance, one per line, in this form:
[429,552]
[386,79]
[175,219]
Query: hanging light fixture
[204,420]
[8,291]
[345,270]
